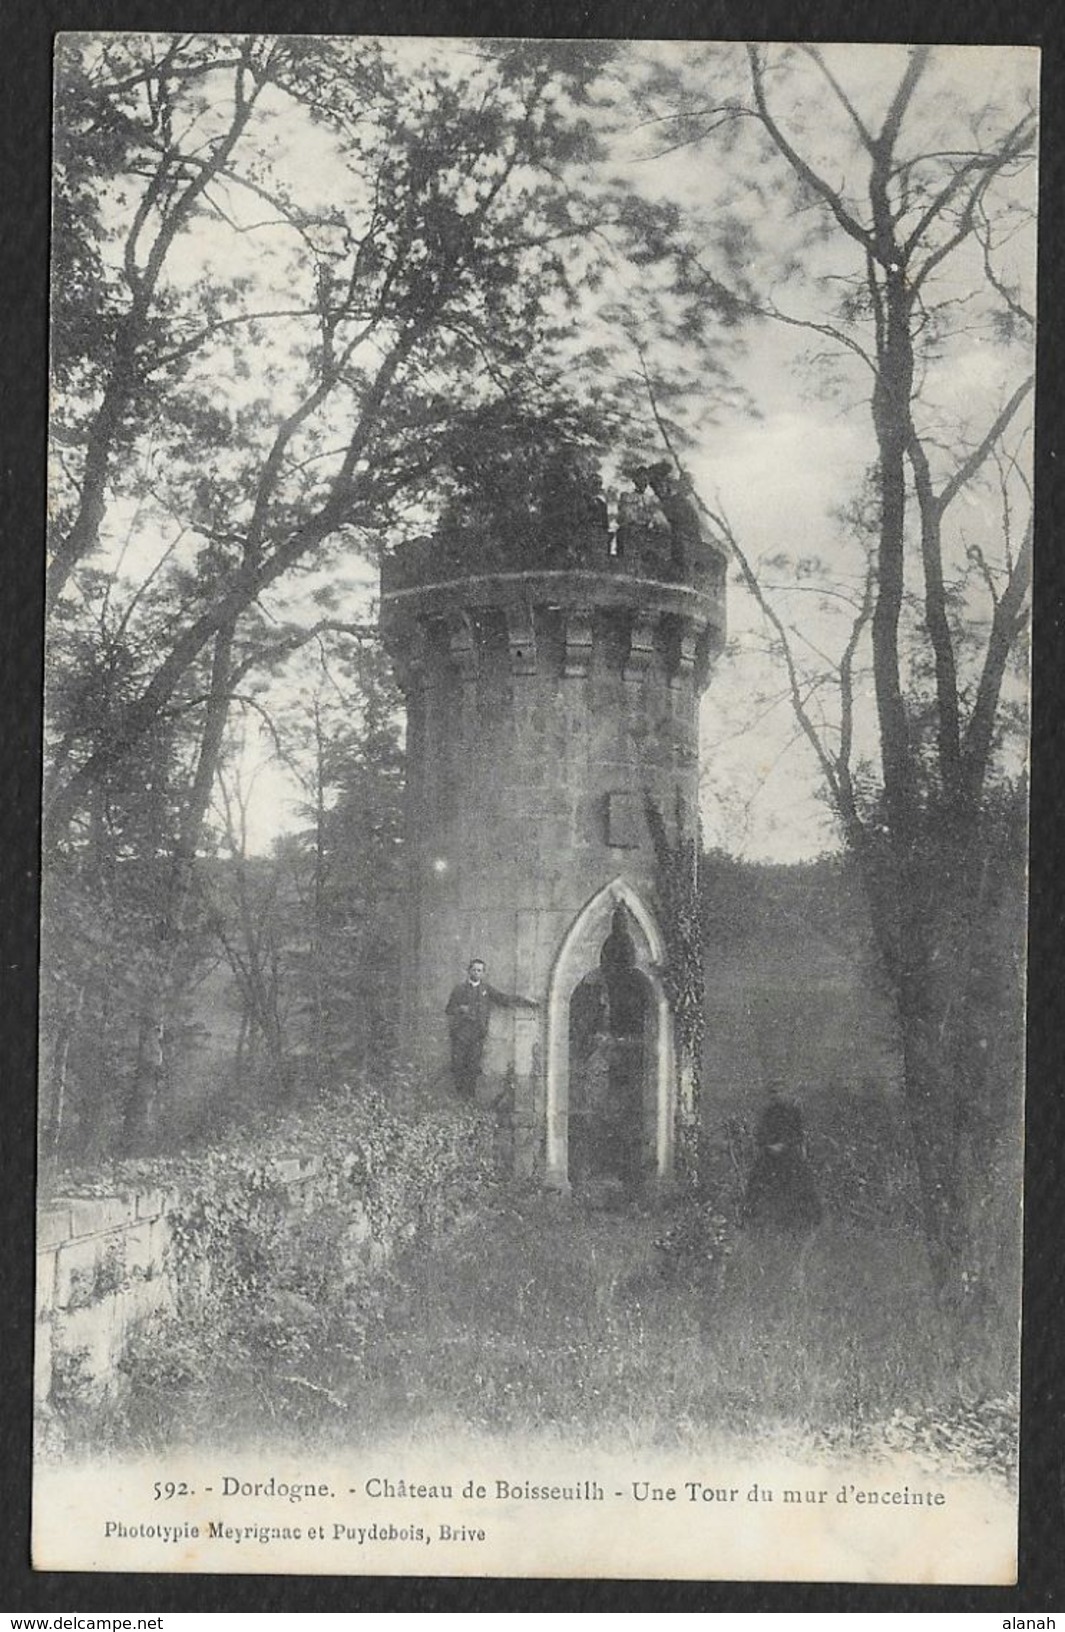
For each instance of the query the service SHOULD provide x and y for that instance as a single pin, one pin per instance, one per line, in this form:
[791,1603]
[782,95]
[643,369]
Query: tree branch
[987,164]
[968,468]
[1007,619]
[804,171]
[83,534]
[936,621]
[867,139]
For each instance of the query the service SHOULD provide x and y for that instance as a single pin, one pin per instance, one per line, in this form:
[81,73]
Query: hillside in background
[792,996]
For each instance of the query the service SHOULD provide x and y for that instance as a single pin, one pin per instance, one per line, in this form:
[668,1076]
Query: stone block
[524,1111]
[136,1304]
[138,1248]
[287,1169]
[54,1223]
[561,891]
[78,1264]
[42,1362]
[159,1243]
[45,1283]
[124,1311]
[150,1203]
[93,1215]
[159,1295]
[526,1151]
[551,924]
[88,1337]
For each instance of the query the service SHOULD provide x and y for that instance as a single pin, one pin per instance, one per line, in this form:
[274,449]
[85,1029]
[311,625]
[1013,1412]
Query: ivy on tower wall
[680,915]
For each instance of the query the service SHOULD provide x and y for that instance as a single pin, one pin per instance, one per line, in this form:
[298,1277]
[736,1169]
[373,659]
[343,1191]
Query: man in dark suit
[467,1012]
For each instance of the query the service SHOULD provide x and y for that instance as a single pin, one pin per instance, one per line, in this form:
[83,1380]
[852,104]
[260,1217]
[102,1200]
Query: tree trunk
[929,1088]
[167,983]
[953,929]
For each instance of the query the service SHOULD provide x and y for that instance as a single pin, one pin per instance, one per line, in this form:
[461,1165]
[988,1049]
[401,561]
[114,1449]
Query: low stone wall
[103,1266]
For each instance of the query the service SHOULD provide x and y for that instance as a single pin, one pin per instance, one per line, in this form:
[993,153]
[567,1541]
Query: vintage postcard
[540,541]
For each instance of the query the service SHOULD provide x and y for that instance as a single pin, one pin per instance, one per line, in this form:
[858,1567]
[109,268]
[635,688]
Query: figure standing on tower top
[678,509]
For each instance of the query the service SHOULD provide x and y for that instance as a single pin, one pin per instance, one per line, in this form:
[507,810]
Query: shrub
[696,1243]
[278,1293]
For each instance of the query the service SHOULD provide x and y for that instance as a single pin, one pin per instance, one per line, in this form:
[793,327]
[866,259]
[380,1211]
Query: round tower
[552,681]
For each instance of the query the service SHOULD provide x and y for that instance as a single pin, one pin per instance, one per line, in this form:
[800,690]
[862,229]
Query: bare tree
[904,257]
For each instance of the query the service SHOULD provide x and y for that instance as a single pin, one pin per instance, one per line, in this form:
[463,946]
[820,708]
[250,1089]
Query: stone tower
[552,680]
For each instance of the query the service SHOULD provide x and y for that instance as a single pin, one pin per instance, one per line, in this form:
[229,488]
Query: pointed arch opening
[610,1079]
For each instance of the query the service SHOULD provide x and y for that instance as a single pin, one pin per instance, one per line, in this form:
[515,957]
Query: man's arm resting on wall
[507,1000]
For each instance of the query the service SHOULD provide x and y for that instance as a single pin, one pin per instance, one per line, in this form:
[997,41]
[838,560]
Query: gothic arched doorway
[611,1134]
[610,1080]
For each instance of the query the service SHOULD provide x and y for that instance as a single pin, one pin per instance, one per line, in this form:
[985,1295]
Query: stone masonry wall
[510,819]
[103,1266]
[552,680]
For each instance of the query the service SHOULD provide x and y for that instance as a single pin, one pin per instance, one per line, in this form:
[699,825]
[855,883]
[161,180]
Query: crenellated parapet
[554,626]
[554,613]
[642,546]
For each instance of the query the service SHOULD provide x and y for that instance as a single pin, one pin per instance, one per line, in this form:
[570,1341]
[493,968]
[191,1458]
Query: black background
[27,28]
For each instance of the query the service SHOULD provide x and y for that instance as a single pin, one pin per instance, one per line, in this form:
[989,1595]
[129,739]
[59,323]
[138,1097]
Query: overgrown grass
[539,1315]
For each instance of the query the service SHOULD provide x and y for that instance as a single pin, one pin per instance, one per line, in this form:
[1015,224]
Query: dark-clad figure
[467,1011]
[679,510]
[574,508]
[781,1195]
